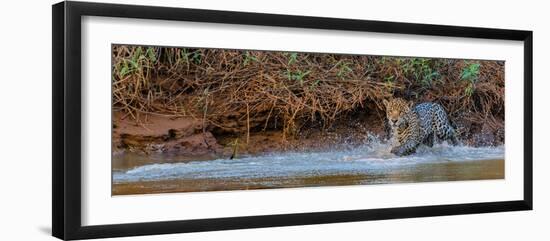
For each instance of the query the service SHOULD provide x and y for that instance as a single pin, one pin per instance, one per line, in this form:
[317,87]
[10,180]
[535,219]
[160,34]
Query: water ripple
[368,159]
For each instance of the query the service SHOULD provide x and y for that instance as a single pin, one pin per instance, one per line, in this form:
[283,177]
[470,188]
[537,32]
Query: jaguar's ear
[385,102]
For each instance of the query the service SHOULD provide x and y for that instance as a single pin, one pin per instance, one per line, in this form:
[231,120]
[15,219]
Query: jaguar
[412,125]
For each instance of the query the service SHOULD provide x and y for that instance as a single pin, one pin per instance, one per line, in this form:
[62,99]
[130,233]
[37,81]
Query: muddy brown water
[473,170]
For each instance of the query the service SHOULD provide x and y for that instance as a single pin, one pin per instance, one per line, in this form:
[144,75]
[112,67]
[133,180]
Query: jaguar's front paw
[400,151]
[397,151]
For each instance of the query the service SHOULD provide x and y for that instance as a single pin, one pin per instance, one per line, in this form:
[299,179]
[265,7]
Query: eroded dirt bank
[189,138]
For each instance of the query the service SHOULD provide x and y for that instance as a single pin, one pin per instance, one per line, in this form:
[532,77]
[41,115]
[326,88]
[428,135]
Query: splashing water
[369,159]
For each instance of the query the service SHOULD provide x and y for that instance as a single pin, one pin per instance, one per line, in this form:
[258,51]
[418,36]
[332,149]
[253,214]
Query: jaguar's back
[433,117]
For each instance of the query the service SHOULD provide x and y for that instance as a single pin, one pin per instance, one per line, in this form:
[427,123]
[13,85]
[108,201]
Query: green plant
[248,58]
[343,69]
[314,84]
[389,79]
[469,90]
[196,57]
[470,73]
[297,75]
[293,57]
[138,61]
[184,56]
[420,69]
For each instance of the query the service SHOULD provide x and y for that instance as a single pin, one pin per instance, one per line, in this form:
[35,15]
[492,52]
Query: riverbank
[188,139]
[165,139]
[208,103]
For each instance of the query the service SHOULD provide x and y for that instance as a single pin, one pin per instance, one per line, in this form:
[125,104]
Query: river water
[370,164]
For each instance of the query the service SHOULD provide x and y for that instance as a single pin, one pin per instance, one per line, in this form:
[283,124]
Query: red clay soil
[182,136]
[185,136]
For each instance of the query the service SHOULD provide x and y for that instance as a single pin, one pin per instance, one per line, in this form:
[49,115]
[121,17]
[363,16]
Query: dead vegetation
[238,91]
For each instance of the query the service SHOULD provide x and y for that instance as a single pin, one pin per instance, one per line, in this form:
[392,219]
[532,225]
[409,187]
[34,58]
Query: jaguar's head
[395,109]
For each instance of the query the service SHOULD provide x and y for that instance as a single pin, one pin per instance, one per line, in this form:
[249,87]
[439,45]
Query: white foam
[374,158]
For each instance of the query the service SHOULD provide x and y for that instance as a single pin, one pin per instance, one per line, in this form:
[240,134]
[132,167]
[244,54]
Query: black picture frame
[66,129]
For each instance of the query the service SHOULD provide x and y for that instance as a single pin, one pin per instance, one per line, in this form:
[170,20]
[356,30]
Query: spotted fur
[421,124]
